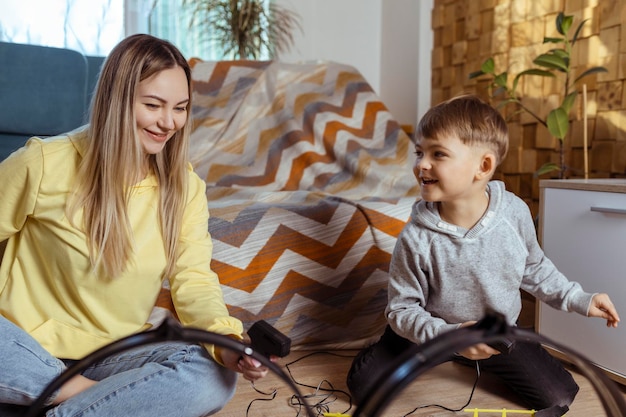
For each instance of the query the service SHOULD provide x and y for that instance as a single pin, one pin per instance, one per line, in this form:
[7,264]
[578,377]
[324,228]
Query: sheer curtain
[94,27]
[168,19]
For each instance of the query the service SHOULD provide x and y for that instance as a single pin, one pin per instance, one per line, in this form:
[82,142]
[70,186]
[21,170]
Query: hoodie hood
[426,214]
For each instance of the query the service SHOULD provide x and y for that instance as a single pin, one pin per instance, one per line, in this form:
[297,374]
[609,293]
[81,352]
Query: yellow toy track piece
[504,411]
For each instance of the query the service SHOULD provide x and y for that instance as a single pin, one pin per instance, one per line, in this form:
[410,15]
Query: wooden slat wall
[512,31]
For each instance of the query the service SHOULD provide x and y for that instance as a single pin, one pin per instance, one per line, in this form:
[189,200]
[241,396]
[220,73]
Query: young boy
[469,247]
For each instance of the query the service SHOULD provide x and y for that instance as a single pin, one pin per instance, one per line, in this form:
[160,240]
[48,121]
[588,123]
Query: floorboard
[448,385]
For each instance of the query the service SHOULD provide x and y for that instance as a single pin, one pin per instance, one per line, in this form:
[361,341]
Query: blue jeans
[165,379]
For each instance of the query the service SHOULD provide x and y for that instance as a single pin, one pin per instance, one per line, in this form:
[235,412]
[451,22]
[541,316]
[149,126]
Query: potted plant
[245,28]
[554,63]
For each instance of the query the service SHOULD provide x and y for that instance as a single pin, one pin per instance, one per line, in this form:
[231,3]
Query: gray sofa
[44,91]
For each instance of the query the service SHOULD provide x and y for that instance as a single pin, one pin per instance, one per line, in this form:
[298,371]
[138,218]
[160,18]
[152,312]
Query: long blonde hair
[113,159]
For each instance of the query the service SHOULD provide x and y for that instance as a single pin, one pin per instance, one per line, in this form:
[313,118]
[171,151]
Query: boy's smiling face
[447,169]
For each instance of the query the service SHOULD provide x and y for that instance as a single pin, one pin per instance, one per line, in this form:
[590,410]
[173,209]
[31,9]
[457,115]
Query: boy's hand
[601,306]
[479,351]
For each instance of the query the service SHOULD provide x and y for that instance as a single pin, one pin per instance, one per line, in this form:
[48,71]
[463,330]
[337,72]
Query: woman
[95,220]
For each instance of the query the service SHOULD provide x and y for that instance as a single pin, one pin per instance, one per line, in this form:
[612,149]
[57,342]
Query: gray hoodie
[443,275]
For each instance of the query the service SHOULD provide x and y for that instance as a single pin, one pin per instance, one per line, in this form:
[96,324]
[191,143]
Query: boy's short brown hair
[470,119]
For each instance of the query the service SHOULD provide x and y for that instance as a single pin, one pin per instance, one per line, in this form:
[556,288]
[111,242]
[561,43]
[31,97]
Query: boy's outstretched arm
[601,306]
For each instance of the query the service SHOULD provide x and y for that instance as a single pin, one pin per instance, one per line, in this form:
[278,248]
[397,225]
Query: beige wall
[378,37]
[468,32]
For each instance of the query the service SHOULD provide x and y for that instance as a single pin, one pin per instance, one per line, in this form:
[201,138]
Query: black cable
[454,410]
[320,407]
[272,395]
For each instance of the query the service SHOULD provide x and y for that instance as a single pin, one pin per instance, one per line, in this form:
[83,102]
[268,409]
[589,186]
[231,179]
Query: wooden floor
[448,385]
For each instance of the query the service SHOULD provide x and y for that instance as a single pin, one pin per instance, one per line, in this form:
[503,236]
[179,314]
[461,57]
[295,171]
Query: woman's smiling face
[161,106]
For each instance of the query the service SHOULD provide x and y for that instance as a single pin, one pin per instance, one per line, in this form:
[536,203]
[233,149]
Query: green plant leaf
[567,24]
[559,23]
[558,123]
[553,40]
[515,82]
[488,67]
[532,71]
[551,61]
[501,79]
[590,71]
[578,29]
[244,28]
[546,168]
[476,74]
[562,53]
[568,101]
[564,23]
[536,71]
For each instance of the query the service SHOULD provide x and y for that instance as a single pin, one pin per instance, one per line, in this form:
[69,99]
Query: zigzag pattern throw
[309,184]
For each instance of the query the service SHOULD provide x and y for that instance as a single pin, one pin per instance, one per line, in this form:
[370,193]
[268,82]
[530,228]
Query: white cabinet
[583,231]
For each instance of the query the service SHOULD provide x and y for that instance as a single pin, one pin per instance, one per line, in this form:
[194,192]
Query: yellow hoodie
[46,282]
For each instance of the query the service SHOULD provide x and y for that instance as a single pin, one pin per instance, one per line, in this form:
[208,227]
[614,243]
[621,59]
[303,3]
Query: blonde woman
[95,220]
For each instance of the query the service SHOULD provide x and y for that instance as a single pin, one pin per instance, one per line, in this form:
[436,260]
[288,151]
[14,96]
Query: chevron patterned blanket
[309,183]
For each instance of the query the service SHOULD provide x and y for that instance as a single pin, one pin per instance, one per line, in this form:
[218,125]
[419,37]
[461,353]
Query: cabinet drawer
[584,234]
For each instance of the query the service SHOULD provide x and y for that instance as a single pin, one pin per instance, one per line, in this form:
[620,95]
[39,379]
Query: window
[168,20]
[94,27]
[91,27]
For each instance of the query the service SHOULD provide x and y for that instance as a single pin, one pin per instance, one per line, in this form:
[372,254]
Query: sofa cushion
[43,89]
[44,92]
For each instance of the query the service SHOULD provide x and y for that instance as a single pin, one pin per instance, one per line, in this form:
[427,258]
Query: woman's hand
[601,306]
[249,367]
[76,385]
